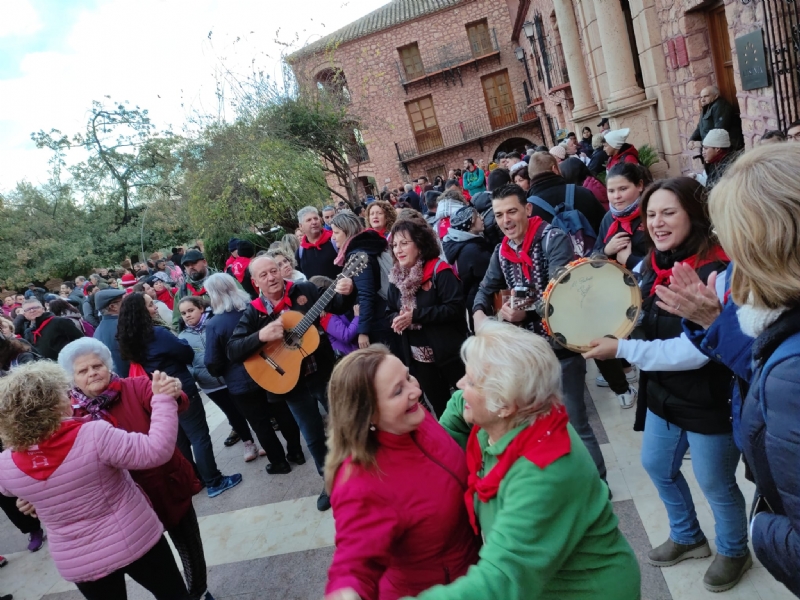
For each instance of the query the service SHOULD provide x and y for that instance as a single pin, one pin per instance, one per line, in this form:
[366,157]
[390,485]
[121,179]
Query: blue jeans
[304,401]
[714,460]
[195,427]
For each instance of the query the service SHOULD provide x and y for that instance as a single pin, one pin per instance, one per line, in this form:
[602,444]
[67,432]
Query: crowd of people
[428,368]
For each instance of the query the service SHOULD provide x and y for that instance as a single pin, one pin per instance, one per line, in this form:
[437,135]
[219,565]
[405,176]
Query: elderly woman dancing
[56,462]
[127,404]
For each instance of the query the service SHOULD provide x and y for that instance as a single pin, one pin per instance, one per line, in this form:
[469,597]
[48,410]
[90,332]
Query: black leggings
[612,372]
[156,571]
[237,421]
[186,538]
[24,523]
[437,380]
[258,411]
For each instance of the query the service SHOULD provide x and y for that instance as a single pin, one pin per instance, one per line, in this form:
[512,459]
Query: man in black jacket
[548,184]
[717,113]
[317,250]
[46,333]
[261,323]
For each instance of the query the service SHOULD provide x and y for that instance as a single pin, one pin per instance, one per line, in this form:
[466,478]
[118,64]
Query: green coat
[548,534]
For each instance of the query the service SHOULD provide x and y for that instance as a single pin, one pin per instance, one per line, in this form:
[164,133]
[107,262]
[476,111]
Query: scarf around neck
[663,273]
[261,303]
[623,219]
[323,238]
[342,256]
[524,256]
[98,406]
[408,281]
[542,443]
[200,326]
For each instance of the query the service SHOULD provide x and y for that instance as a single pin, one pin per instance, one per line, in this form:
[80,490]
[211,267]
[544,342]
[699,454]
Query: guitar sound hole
[291,340]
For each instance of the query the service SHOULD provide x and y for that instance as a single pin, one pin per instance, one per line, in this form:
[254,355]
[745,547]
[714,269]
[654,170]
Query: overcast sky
[56,56]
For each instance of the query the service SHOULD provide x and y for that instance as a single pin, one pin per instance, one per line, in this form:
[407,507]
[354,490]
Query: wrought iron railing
[434,140]
[549,65]
[441,58]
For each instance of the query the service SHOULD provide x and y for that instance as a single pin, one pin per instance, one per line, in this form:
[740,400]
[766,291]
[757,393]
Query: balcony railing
[434,140]
[450,56]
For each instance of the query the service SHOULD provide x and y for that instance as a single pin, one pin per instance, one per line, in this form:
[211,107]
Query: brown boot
[671,553]
[725,572]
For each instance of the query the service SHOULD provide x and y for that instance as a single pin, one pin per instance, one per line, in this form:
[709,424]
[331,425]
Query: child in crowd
[342,332]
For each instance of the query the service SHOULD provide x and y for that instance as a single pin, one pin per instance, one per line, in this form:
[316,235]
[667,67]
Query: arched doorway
[512,144]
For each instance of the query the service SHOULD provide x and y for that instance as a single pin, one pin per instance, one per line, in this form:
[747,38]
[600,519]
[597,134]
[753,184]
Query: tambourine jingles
[588,299]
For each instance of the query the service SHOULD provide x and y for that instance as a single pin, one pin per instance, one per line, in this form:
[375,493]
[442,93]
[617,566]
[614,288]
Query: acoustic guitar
[276,366]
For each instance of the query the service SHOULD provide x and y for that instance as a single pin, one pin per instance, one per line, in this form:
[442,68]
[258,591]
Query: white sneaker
[600,381]
[250,451]
[628,399]
[633,376]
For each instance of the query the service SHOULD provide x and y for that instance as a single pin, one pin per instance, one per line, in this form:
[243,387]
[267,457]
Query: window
[424,123]
[480,40]
[412,61]
[433,172]
[499,100]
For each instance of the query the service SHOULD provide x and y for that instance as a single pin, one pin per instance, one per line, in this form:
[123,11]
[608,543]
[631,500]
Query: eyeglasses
[795,137]
[31,309]
[402,244]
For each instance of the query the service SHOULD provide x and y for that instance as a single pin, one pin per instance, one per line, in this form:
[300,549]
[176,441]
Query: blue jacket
[218,332]
[771,440]
[172,356]
[474,181]
[106,332]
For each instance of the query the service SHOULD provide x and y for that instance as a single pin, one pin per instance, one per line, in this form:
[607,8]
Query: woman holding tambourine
[686,394]
[622,238]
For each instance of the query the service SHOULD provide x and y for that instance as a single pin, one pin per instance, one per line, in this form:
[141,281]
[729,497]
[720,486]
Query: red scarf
[324,320]
[716,254]
[325,237]
[624,223]
[238,266]
[38,331]
[427,270]
[166,297]
[381,232]
[195,292]
[524,256]
[283,304]
[41,461]
[550,428]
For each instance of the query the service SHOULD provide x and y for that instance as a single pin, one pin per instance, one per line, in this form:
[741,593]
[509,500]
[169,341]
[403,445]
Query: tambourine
[590,298]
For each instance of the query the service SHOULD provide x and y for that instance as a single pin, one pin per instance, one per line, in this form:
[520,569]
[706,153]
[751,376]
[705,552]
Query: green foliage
[648,156]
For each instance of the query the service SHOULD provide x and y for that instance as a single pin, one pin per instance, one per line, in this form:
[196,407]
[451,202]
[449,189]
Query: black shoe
[323,502]
[274,422]
[232,439]
[297,458]
[279,468]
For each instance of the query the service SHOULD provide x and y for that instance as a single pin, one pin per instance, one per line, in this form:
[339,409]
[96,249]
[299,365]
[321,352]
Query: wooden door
[412,61]
[721,52]
[499,100]
[424,124]
[480,40]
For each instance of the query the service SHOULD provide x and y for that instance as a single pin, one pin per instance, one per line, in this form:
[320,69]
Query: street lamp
[520,53]
[527,26]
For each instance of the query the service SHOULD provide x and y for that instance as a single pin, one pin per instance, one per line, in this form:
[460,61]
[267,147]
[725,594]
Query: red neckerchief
[550,429]
[42,460]
[325,237]
[717,158]
[38,331]
[381,232]
[283,304]
[194,291]
[427,270]
[624,223]
[230,260]
[238,266]
[324,320]
[716,254]
[524,256]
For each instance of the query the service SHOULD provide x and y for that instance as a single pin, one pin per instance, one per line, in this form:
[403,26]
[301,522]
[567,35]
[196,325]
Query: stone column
[573,55]
[622,85]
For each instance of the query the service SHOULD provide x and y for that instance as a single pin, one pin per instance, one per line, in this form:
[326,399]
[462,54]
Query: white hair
[513,367]
[84,346]
[225,295]
[305,211]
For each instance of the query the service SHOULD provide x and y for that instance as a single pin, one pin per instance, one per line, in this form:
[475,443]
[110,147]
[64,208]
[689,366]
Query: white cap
[717,138]
[616,138]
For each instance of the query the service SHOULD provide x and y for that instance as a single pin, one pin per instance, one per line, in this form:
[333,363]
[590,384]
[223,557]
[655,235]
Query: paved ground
[265,538]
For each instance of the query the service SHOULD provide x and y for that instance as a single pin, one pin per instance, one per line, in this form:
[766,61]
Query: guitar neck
[316,310]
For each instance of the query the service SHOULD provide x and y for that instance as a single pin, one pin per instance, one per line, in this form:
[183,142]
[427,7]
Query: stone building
[436,81]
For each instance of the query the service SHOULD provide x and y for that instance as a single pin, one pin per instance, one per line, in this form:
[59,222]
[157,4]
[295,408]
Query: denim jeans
[714,460]
[194,425]
[573,382]
[304,401]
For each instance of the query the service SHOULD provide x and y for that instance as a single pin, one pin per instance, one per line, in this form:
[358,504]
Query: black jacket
[441,313]
[552,189]
[244,341]
[470,254]
[313,261]
[413,199]
[719,115]
[597,162]
[372,318]
[695,400]
[639,240]
[491,232]
[219,330]
[171,355]
[715,171]
[51,338]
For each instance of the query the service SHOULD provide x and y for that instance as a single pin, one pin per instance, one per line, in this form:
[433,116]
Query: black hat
[192,256]
[246,249]
[603,122]
[462,219]
[233,244]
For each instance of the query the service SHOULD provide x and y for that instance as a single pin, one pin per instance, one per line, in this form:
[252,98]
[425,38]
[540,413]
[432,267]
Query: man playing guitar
[261,323]
[528,257]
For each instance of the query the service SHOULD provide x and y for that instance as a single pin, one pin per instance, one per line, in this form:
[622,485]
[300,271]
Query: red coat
[171,486]
[167,296]
[403,528]
[627,153]
[598,189]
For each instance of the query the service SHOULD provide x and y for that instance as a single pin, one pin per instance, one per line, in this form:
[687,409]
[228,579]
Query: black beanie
[498,178]
[246,249]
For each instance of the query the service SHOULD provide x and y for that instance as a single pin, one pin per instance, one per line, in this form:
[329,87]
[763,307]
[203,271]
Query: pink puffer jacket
[97,518]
